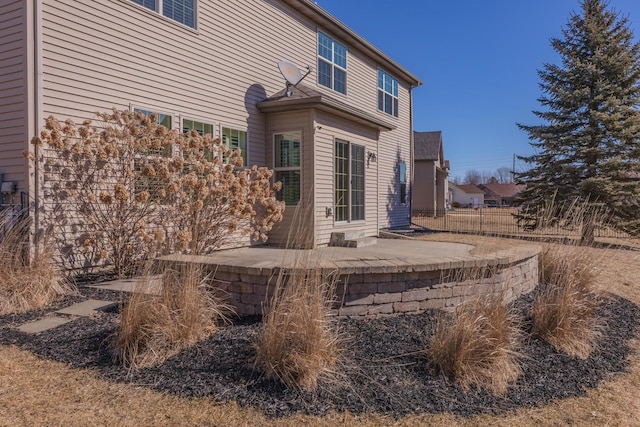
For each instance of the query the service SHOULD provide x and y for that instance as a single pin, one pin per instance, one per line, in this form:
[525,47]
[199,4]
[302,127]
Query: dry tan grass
[298,343]
[479,346]
[154,327]
[565,310]
[28,281]
[38,392]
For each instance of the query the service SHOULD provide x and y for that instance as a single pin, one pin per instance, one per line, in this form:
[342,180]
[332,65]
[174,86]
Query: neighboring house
[468,196]
[431,171]
[500,195]
[341,143]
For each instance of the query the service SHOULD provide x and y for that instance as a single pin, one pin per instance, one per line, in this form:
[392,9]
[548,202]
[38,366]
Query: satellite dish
[290,72]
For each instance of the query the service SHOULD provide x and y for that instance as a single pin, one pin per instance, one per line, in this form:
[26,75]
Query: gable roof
[324,19]
[502,190]
[303,97]
[468,188]
[427,145]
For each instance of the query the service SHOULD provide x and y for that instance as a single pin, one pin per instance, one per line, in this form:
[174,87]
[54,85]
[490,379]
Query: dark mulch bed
[386,371]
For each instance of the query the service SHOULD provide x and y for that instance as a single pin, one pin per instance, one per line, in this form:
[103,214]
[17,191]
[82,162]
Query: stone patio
[392,277]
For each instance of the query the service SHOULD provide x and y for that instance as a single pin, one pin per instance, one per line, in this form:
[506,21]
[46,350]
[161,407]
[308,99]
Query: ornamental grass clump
[28,280]
[479,345]
[565,309]
[166,313]
[298,343]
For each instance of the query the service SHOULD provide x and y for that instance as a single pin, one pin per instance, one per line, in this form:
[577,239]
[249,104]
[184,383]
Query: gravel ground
[385,371]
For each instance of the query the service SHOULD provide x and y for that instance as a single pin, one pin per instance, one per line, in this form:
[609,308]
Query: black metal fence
[503,221]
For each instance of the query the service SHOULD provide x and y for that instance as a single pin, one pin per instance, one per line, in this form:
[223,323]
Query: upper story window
[387,93]
[332,64]
[182,11]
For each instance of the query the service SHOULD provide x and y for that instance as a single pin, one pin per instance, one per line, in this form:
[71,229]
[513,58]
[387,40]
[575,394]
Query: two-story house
[340,141]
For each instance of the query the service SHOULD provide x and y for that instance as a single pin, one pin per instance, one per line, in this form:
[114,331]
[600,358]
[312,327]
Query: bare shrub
[479,345]
[298,343]
[165,314]
[565,309]
[124,187]
[28,281]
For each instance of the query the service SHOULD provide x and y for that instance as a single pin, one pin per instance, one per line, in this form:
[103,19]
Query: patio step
[351,239]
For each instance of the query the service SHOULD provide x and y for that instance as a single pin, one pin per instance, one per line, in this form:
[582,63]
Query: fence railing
[502,221]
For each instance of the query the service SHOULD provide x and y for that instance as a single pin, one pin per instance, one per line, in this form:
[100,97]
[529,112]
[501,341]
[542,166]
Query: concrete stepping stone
[148,285]
[44,324]
[86,308]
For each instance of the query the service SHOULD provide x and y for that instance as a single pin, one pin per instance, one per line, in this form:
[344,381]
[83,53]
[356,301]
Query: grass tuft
[165,314]
[565,310]
[479,346]
[298,344]
[28,281]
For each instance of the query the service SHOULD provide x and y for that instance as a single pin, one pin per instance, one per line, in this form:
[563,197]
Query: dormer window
[332,64]
[182,11]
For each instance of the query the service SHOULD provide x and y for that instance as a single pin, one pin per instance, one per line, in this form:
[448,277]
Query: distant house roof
[469,188]
[502,190]
[427,145]
[303,97]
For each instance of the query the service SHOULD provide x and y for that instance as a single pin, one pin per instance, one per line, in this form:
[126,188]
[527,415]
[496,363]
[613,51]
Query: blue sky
[478,61]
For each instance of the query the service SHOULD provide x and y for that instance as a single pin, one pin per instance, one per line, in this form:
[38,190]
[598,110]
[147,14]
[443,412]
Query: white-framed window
[387,93]
[349,181]
[235,139]
[164,119]
[182,11]
[332,63]
[287,166]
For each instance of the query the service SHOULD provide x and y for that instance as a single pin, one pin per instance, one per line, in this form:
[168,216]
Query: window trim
[332,63]
[287,168]
[158,12]
[350,145]
[395,83]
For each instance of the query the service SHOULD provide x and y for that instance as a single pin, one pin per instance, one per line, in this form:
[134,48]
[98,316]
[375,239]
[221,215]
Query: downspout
[411,154]
[38,106]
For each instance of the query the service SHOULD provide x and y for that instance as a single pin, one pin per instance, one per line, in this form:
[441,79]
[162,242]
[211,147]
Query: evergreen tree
[588,149]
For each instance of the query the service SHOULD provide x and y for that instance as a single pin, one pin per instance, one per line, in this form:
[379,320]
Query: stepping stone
[44,324]
[150,285]
[86,308]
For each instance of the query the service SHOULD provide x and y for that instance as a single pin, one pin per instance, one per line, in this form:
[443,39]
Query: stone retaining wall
[389,291]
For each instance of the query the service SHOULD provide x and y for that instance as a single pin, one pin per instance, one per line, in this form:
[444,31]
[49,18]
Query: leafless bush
[124,187]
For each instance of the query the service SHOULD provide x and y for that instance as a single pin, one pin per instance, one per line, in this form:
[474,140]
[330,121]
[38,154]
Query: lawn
[42,392]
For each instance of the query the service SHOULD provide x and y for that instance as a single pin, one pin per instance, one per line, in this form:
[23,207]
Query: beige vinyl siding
[424,197]
[112,53]
[13,92]
[118,53]
[330,128]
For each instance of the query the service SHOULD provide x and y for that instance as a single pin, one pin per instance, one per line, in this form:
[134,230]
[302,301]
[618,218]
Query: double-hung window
[387,93]
[151,183]
[202,128]
[182,11]
[349,181]
[287,150]
[236,139]
[332,64]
